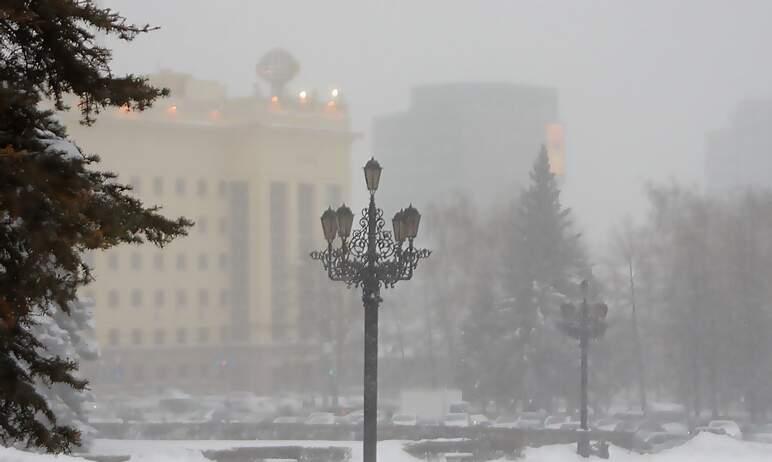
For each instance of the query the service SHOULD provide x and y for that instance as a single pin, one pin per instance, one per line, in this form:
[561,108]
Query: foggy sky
[640,82]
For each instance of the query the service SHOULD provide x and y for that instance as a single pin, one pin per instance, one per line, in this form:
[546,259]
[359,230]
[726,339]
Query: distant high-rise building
[228,306]
[740,155]
[475,138]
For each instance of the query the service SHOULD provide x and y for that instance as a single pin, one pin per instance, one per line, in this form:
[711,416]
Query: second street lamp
[584,324]
[371,258]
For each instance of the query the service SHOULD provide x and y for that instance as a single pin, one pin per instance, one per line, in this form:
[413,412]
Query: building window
[114,337]
[113,299]
[159,336]
[182,371]
[223,225]
[224,297]
[223,261]
[136,337]
[136,297]
[139,373]
[158,186]
[182,261]
[222,188]
[134,182]
[179,186]
[181,299]
[160,297]
[201,188]
[203,297]
[182,336]
[203,262]
[161,372]
[136,261]
[203,335]
[201,225]
[158,261]
[112,261]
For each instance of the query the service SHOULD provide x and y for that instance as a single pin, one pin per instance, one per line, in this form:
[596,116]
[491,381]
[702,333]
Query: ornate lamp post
[372,258]
[589,322]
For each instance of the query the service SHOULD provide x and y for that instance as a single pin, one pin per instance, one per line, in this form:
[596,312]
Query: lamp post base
[583,444]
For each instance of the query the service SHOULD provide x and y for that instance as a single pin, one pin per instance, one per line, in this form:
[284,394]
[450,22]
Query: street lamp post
[585,324]
[372,258]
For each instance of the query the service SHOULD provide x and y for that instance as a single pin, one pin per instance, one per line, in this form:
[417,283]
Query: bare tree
[627,247]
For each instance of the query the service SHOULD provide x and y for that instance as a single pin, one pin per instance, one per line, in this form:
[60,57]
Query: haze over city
[407,231]
[639,83]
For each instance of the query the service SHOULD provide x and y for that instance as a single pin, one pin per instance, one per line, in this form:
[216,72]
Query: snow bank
[14,455]
[183,451]
[705,447]
[710,447]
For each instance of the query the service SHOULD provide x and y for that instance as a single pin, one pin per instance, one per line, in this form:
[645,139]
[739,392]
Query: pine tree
[550,260]
[511,350]
[69,335]
[53,204]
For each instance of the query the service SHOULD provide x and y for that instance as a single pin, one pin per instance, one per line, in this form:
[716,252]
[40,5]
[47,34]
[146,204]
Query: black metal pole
[583,442]
[371,300]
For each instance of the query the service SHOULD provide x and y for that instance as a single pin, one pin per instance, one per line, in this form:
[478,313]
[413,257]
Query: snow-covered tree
[54,205]
[549,262]
[68,335]
[512,351]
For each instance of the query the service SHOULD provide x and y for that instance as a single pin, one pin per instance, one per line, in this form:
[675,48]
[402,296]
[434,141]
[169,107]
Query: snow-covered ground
[705,447]
[177,451]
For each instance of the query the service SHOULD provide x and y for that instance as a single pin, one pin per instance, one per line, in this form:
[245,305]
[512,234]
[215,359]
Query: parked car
[572,425]
[706,429]
[729,426]
[505,422]
[676,428]
[358,417]
[636,426]
[608,424]
[658,441]
[554,422]
[456,419]
[530,420]
[355,417]
[458,408]
[428,422]
[288,420]
[404,419]
[321,418]
[222,415]
[479,420]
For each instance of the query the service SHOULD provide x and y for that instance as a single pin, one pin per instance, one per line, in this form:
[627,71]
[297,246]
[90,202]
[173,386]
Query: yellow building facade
[219,309]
